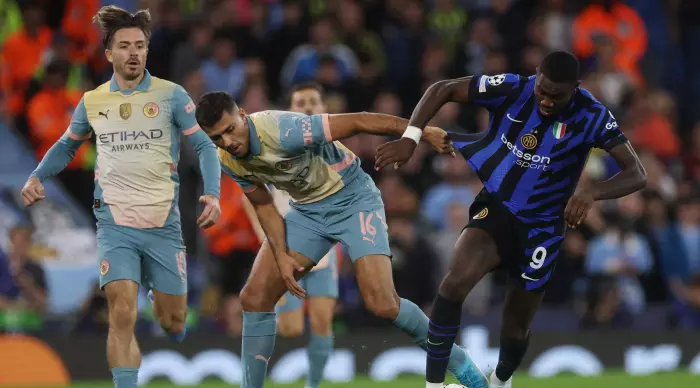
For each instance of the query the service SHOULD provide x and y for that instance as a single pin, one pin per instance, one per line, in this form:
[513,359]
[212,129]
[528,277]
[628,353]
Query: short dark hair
[561,67]
[111,19]
[212,106]
[304,86]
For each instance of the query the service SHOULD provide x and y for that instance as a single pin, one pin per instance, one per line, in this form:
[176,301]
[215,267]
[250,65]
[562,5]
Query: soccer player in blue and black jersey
[540,132]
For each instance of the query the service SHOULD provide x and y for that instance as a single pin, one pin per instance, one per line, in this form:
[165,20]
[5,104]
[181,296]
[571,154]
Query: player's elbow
[641,175]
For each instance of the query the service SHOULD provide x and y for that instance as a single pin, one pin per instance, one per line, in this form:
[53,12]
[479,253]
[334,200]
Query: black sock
[443,328]
[510,356]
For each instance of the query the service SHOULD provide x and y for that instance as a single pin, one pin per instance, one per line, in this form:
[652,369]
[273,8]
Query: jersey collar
[141,87]
[254,140]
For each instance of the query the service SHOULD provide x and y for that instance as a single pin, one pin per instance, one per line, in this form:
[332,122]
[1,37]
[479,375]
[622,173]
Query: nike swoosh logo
[528,278]
[436,344]
[512,119]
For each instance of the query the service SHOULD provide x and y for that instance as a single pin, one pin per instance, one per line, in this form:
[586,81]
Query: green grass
[611,380]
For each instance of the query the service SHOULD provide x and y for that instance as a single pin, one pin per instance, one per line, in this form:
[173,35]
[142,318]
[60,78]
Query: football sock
[259,330]
[510,356]
[444,325]
[125,377]
[320,347]
[414,322]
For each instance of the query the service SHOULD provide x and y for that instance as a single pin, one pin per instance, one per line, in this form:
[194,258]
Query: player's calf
[171,312]
[291,323]
[123,354]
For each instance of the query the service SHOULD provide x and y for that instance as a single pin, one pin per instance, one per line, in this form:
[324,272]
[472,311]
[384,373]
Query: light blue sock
[177,337]
[125,377]
[259,330]
[414,322]
[319,350]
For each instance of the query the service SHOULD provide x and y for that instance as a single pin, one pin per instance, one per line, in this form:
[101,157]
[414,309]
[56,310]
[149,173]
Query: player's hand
[397,152]
[33,191]
[440,140]
[578,206]
[288,266]
[211,212]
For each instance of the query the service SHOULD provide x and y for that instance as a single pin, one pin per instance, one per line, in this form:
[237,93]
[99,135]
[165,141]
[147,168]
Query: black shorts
[529,248]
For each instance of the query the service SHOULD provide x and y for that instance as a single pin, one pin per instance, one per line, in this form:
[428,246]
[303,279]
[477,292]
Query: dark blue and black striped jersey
[530,162]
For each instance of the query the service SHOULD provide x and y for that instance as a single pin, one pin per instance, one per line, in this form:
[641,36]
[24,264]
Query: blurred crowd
[640,57]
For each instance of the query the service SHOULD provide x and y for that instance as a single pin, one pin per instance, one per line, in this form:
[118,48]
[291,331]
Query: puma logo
[365,238]
[104,114]
[262,358]
[287,133]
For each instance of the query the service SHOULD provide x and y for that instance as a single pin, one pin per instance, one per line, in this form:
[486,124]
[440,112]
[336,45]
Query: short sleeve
[490,91]
[79,128]
[184,112]
[299,132]
[607,134]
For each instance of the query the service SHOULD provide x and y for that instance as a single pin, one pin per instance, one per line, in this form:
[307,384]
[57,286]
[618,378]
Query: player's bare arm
[631,178]
[437,95]
[272,224]
[349,124]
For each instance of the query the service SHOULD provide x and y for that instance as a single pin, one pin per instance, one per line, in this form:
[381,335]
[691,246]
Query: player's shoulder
[586,103]
[158,84]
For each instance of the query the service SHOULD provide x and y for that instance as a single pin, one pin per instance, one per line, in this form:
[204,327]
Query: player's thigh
[376,283]
[265,286]
[165,266]
[306,234]
[119,253]
[362,231]
[290,315]
[122,302]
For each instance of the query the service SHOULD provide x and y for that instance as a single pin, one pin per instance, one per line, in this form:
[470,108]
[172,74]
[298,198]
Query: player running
[540,133]
[138,121]
[321,283]
[333,200]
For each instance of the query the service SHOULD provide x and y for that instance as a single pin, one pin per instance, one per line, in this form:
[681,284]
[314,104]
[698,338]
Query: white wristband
[413,133]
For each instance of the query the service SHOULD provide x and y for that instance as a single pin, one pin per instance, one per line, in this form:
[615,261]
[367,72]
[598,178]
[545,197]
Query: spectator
[22,56]
[303,63]
[189,55]
[22,281]
[623,255]
[49,113]
[78,27]
[224,71]
[447,20]
[285,39]
[358,38]
[619,22]
[454,189]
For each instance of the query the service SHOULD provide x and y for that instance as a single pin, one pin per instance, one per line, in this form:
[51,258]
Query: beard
[128,74]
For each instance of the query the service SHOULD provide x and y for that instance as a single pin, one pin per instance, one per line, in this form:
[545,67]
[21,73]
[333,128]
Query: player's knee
[290,328]
[456,286]
[321,323]
[122,315]
[386,307]
[253,299]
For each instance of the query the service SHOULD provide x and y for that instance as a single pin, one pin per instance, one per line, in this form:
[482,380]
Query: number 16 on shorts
[369,232]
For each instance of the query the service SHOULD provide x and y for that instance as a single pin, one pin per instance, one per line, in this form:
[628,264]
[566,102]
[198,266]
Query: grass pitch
[612,380]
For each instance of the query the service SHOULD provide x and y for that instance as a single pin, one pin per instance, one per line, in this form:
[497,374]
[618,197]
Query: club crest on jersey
[125,111]
[104,267]
[559,130]
[482,214]
[529,141]
[496,79]
[151,110]
[283,165]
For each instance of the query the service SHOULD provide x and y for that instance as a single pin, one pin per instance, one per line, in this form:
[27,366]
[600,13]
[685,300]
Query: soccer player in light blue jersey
[333,201]
[138,121]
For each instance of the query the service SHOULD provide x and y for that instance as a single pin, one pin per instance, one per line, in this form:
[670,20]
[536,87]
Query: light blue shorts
[354,217]
[151,257]
[320,283]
